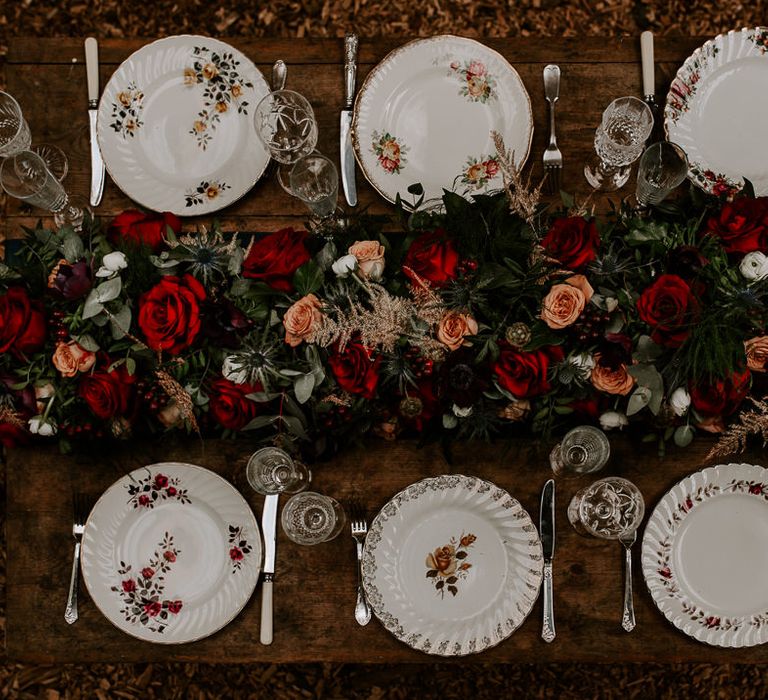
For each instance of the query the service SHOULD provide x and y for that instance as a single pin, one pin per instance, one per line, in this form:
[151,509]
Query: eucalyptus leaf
[684,435]
[648,377]
[92,307]
[450,421]
[163,261]
[72,248]
[303,387]
[87,342]
[121,322]
[109,289]
[130,365]
[639,400]
[647,350]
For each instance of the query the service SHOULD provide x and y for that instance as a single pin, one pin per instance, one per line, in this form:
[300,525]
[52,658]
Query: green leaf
[92,307]
[647,350]
[450,421]
[260,422]
[240,287]
[416,189]
[109,290]
[684,435]
[120,322]
[72,248]
[303,387]
[308,278]
[130,365]
[431,573]
[639,400]
[295,427]
[87,342]
[648,377]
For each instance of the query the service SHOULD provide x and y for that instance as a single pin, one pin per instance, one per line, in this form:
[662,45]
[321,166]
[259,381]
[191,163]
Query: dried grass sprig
[751,422]
[523,197]
[177,393]
[11,416]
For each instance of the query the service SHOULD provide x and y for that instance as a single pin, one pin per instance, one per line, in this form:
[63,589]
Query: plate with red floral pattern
[705,558]
[716,110]
[426,112]
[452,565]
[171,553]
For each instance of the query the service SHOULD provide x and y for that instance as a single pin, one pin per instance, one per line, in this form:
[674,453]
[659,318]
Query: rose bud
[71,281]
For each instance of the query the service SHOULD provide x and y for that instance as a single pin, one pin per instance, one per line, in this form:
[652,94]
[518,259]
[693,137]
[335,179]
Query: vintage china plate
[175,125]
[452,565]
[426,112]
[716,110]
[171,553]
[705,558]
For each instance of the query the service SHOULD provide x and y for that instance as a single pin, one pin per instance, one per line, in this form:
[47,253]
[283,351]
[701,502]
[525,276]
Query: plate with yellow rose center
[171,553]
[175,125]
[452,565]
[425,115]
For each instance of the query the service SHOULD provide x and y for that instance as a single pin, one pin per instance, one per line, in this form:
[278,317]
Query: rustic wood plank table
[315,586]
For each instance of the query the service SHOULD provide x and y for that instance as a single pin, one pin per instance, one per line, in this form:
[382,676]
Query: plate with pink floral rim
[426,112]
[175,125]
[705,558]
[716,110]
[171,553]
[452,565]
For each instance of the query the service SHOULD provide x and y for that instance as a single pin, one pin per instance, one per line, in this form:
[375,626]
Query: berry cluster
[590,326]
[60,331]
[467,267]
[422,366]
[335,416]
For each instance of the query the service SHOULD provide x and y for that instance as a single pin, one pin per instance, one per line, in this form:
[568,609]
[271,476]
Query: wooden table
[315,586]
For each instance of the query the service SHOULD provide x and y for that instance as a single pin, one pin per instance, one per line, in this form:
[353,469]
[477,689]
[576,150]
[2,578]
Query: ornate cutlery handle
[628,616]
[265,635]
[70,614]
[552,93]
[350,69]
[362,608]
[548,625]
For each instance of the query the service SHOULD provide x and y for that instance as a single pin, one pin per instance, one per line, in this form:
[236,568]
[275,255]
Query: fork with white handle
[553,158]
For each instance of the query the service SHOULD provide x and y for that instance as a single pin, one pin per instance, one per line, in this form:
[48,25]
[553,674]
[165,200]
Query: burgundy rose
[129,585]
[153,609]
[171,490]
[460,380]
[432,257]
[356,369]
[174,606]
[169,313]
[524,374]
[161,481]
[142,228]
[573,241]
[143,500]
[169,555]
[236,554]
[741,225]
[669,307]
[722,397]
[22,324]
[229,404]
[274,258]
[108,394]
[147,572]
[71,281]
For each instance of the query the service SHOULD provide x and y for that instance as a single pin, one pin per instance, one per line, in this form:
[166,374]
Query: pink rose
[565,302]
[370,258]
[757,353]
[302,320]
[71,358]
[454,327]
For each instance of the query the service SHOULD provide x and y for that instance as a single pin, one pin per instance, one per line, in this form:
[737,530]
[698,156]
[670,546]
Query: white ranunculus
[233,369]
[37,426]
[613,419]
[754,266]
[611,304]
[111,263]
[680,401]
[344,265]
[460,412]
[584,363]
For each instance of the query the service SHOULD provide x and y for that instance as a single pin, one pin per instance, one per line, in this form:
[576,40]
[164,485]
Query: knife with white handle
[647,61]
[97,162]
[269,532]
[346,150]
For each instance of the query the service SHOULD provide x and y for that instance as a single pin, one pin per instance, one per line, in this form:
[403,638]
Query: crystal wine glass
[663,166]
[26,177]
[619,140]
[285,123]
[315,181]
[311,518]
[271,470]
[583,450]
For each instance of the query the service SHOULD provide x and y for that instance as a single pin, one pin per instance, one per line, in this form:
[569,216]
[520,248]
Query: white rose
[613,419]
[584,363]
[39,427]
[754,266]
[344,265]
[112,263]
[680,401]
[233,369]
[460,412]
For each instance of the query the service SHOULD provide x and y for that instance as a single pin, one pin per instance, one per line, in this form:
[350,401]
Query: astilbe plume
[751,422]
[523,198]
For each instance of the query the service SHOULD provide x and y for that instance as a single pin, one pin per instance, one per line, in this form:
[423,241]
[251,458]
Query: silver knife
[649,85]
[346,151]
[97,162]
[269,532]
[547,530]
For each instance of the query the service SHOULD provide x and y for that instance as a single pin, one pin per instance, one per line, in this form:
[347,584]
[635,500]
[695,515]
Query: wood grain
[314,589]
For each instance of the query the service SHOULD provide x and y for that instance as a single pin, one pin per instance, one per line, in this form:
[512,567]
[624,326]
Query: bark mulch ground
[480,18]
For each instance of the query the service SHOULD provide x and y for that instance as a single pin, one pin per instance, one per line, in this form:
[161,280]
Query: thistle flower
[208,254]
[254,363]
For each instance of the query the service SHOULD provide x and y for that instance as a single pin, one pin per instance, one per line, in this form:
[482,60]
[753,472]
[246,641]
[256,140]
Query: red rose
[524,374]
[573,241]
[171,490]
[669,307]
[432,257]
[174,606]
[722,397]
[147,572]
[22,324]
[356,370]
[140,228]
[742,225]
[161,481]
[169,313]
[229,405]
[274,258]
[108,394]
[153,609]
[143,500]
[169,555]
[236,554]
[129,586]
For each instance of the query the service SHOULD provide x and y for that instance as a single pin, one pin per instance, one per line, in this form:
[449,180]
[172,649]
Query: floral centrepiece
[494,316]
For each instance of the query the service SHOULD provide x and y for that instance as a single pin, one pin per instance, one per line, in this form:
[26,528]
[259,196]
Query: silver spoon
[628,616]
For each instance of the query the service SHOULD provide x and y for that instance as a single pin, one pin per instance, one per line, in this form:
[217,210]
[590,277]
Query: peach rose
[443,560]
[454,327]
[236,90]
[565,302]
[475,172]
[302,319]
[390,150]
[190,77]
[757,353]
[370,258]
[611,381]
[71,358]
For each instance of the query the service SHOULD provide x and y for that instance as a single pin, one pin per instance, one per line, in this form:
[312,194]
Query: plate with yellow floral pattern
[175,125]
[171,553]
[426,112]
[452,565]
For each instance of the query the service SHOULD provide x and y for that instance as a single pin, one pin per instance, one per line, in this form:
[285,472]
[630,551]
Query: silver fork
[359,531]
[81,510]
[553,158]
